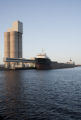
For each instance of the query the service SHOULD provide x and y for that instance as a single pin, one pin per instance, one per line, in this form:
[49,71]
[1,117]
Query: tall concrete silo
[13,44]
[16,39]
[18,26]
[6,44]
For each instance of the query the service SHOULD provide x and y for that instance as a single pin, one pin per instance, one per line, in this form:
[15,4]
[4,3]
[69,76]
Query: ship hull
[61,65]
[43,64]
[43,67]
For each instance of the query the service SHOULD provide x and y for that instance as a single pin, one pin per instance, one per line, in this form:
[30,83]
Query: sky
[51,25]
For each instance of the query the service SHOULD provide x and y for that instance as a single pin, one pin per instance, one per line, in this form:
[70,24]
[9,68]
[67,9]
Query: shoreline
[31,68]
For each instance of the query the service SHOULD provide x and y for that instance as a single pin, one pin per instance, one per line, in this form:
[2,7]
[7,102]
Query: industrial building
[13,43]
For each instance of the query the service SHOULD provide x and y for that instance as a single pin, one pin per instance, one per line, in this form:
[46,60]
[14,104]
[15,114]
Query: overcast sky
[54,25]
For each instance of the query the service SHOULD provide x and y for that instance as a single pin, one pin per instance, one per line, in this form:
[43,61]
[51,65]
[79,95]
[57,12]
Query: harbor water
[41,94]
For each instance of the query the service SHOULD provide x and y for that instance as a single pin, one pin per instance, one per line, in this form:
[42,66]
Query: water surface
[41,95]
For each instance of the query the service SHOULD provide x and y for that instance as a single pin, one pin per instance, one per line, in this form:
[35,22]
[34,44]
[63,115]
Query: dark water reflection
[41,95]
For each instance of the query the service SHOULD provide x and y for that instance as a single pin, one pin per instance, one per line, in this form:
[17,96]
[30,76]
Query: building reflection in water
[14,103]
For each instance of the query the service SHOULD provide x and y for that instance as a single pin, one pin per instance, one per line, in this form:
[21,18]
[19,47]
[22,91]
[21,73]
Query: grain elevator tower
[13,41]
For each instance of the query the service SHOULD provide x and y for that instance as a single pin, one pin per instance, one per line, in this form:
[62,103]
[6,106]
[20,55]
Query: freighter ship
[42,62]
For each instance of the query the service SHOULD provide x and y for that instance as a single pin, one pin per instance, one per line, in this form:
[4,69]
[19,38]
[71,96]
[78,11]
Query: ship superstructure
[43,61]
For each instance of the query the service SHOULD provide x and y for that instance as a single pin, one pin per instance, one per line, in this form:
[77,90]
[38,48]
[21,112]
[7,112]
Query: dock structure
[23,60]
[20,63]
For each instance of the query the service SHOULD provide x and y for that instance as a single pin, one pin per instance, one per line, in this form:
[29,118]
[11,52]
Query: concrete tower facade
[20,45]
[13,41]
[7,44]
[13,44]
